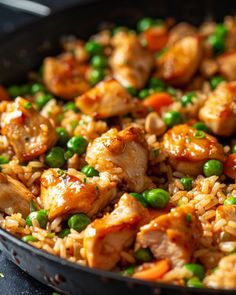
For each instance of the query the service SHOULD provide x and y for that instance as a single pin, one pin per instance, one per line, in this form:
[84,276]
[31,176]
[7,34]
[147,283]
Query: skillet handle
[28,6]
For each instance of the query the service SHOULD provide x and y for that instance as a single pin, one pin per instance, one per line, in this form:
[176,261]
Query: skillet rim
[61,261]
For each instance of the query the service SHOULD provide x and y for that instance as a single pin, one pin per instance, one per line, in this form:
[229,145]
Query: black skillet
[23,50]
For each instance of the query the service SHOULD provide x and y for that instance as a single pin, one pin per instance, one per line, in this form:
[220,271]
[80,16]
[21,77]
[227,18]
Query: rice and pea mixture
[120,153]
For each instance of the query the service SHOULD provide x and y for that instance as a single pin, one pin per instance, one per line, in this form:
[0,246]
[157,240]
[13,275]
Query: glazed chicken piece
[131,62]
[66,192]
[180,31]
[224,276]
[219,110]
[187,153]
[105,238]
[173,236]
[14,196]
[180,62]
[227,65]
[124,155]
[29,133]
[64,76]
[226,213]
[106,99]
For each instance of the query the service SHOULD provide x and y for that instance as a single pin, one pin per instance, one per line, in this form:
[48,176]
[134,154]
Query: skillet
[23,50]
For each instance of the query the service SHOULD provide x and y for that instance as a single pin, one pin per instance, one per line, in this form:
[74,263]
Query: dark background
[15,281]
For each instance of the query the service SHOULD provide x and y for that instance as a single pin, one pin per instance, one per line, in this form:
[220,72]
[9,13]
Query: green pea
[148,22]
[199,134]
[212,167]
[89,171]
[27,105]
[200,126]
[55,157]
[68,154]
[140,198]
[132,91]
[37,88]
[144,194]
[194,282]
[188,217]
[155,82]
[93,47]
[172,118]
[95,76]
[196,269]
[128,271]
[40,216]
[217,43]
[3,160]
[230,201]
[144,255]
[14,91]
[234,149]
[99,61]
[187,183]
[157,198]
[63,136]
[143,93]
[63,233]
[172,91]
[70,106]
[29,238]
[77,144]
[42,100]
[79,221]
[216,80]
[187,98]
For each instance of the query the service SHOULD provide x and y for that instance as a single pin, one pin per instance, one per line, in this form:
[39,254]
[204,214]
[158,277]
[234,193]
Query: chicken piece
[66,192]
[180,62]
[106,99]
[124,155]
[131,62]
[14,196]
[187,152]
[227,65]
[226,213]
[27,131]
[64,76]
[219,110]
[224,276]
[105,238]
[180,31]
[174,235]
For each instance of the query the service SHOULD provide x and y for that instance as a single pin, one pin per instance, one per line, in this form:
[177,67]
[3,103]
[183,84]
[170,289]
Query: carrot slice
[156,38]
[3,94]
[153,273]
[230,166]
[157,100]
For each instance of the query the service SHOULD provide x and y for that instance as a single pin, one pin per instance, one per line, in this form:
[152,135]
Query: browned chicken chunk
[27,131]
[180,62]
[68,192]
[131,62]
[187,152]
[105,238]
[219,110]
[224,276]
[124,155]
[64,76]
[173,236]
[14,196]
[227,65]
[105,100]
[180,31]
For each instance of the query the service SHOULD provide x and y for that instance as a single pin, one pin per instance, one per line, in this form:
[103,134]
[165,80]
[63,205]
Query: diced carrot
[3,94]
[153,273]
[158,100]
[230,166]
[156,38]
